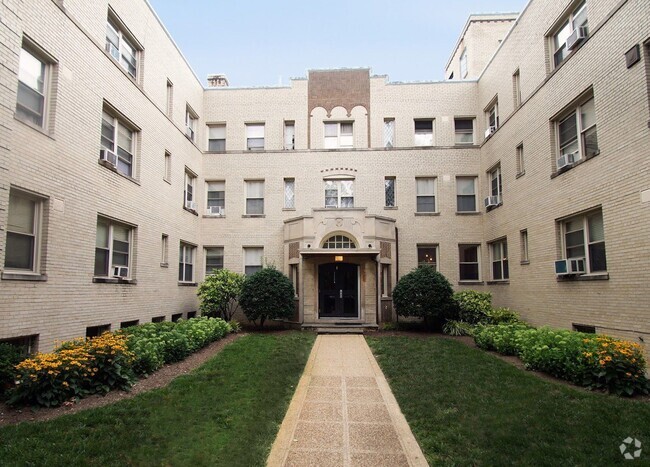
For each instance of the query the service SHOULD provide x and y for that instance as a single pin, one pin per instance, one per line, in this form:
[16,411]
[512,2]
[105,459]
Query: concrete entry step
[341,330]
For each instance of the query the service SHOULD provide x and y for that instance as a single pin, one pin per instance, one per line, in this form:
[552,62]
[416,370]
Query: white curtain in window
[255,189]
[426,186]
[216,186]
[253,256]
[21,215]
[217,132]
[255,131]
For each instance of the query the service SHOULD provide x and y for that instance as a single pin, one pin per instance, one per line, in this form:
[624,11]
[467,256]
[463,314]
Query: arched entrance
[338,290]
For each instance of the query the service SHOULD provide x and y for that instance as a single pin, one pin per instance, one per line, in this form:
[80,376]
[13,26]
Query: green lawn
[467,407]
[225,413]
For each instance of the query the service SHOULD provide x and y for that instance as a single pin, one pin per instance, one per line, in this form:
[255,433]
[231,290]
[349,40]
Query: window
[113,249]
[523,238]
[169,102]
[521,168]
[164,250]
[213,259]
[389,132]
[294,272]
[188,192]
[584,328]
[121,48]
[428,255]
[33,78]
[496,188]
[577,19]
[289,193]
[168,167]
[96,331]
[26,345]
[340,242]
[423,132]
[254,197]
[216,198]
[289,135]
[217,138]
[254,136]
[577,136]
[492,115]
[158,319]
[499,257]
[191,314]
[338,135]
[191,122]
[129,324]
[186,256]
[468,262]
[339,193]
[118,138]
[385,280]
[389,191]
[466,194]
[584,237]
[516,88]
[463,64]
[23,232]
[176,317]
[253,260]
[464,128]
[426,194]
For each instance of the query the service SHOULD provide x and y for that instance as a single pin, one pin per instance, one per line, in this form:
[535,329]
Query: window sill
[470,282]
[188,284]
[253,216]
[214,216]
[191,211]
[582,160]
[167,181]
[23,276]
[288,209]
[114,280]
[114,169]
[584,277]
[164,265]
[520,174]
[524,263]
[390,208]
[468,213]
[40,129]
[499,282]
[427,214]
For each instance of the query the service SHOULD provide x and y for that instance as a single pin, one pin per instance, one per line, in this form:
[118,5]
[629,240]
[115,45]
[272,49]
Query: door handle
[340,293]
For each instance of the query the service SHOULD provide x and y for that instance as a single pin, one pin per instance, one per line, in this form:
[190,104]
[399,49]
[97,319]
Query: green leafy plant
[502,316]
[426,294]
[473,306]
[458,328]
[267,294]
[10,356]
[219,293]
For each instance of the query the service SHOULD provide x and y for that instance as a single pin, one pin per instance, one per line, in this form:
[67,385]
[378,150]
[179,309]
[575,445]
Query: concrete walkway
[343,413]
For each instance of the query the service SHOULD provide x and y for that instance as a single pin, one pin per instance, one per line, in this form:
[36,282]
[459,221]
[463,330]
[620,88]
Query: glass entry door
[338,290]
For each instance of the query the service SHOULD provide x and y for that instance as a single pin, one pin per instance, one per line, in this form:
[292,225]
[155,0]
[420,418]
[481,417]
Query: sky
[257,43]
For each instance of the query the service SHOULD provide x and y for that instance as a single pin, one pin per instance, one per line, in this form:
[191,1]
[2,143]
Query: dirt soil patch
[161,378]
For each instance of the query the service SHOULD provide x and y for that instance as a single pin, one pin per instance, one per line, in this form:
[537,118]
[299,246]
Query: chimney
[217,81]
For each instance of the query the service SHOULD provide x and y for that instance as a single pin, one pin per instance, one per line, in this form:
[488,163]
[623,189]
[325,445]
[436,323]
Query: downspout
[396,268]
[378,298]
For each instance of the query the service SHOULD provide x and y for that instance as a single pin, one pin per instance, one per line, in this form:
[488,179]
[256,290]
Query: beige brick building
[123,180]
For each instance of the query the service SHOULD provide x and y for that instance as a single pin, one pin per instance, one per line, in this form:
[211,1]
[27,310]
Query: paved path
[343,413]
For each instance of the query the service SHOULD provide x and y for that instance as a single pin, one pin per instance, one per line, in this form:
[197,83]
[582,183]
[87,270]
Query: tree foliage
[267,294]
[424,293]
[219,293]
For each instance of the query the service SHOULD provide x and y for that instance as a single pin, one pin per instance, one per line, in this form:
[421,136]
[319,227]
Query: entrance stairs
[341,327]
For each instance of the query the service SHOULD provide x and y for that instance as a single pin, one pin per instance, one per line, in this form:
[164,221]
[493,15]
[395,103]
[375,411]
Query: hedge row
[590,360]
[111,361]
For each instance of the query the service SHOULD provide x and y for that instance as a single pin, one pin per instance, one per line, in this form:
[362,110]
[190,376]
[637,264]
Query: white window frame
[583,221]
[494,174]
[217,249]
[221,127]
[338,185]
[339,242]
[110,248]
[169,102]
[389,133]
[388,181]
[215,201]
[563,148]
[477,262]
[289,193]
[433,195]
[342,139]
[118,51]
[164,250]
[186,257]
[516,88]
[436,254]
[23,112]
[248,186]
[458,195]
[168,167]
[499,256]
[258,267]
[559,37]
[189,188]
[191,123]
[252,136]
[115,123]
[423,138]
[525,256]
[289,135]
[492,115]
[521,162]
[460,132]
[35,235]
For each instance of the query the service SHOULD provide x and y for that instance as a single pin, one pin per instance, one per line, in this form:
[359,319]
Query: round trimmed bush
[426,294]
[267,294]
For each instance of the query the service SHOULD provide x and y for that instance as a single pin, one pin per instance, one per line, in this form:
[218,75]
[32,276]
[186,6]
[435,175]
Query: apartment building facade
[125,181]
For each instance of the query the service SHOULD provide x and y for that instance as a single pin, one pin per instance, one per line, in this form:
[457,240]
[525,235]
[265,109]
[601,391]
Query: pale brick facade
[346,128]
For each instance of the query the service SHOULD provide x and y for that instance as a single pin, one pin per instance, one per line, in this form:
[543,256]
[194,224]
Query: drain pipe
[378,298]
[396,268]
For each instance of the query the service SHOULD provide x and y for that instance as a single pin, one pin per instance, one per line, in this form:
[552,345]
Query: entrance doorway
[338,290]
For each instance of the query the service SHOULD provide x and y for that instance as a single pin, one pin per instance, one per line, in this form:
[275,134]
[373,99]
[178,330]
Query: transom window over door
[339,242]
[339,193]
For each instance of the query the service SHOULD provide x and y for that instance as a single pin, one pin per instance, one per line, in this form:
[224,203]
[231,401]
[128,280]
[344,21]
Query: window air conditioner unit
[571,266]
[191,205]
[109,158]
[189,132]
[492,201]
[566,160]
[215,210]
[576,38]
[120,271]
[490,131]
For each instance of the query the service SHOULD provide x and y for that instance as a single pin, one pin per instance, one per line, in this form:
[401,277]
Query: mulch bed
[161,378]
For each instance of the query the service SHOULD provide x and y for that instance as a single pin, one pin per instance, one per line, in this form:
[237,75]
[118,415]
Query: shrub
[458,328]
[424,293]
[267,294]
[10,356]
[501,338]
[219,293]
[76,369]
[503,316]
[473,306]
